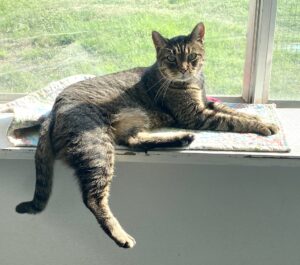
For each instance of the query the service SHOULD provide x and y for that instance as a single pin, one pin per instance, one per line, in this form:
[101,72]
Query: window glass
[285,78]
[42,41]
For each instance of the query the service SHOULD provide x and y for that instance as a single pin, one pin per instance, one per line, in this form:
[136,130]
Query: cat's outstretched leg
[92,157]
[227,110]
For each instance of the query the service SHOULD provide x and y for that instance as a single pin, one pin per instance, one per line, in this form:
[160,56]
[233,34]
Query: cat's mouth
[178,77]
[183,77]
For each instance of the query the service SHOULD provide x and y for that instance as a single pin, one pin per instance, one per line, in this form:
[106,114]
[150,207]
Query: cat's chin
[183,79]
[178,77]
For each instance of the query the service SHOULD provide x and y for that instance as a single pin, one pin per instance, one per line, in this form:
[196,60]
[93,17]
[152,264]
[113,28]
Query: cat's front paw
[273,128]
[268,129]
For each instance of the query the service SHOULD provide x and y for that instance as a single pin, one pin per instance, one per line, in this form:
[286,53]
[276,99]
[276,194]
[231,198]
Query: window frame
[258,59]
[259,52]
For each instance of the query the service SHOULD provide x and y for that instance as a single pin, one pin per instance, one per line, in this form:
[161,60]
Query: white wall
[178,215]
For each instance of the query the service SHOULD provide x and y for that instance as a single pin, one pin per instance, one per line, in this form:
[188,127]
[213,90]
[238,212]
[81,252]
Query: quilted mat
[31,110]
[227,141]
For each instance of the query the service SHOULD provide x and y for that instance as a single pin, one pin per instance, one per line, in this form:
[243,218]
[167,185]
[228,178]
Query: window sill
[290,119]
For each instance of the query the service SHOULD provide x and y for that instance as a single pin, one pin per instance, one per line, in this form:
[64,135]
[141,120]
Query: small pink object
[212,99]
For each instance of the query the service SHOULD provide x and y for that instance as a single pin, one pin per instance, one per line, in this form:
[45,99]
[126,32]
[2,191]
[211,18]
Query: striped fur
[44,161]
[90,117]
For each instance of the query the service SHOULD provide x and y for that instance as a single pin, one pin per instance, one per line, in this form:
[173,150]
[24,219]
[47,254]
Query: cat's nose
[183,67]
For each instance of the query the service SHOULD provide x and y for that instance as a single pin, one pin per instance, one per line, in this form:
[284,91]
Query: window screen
[285,78]
[42,41]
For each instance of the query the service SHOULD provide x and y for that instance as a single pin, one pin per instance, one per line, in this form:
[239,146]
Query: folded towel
[31,110]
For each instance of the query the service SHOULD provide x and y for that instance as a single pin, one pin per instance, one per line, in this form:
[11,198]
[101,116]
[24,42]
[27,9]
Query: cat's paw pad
[129,242]
[268,129]
[124,240]
[187,139]
[273,128]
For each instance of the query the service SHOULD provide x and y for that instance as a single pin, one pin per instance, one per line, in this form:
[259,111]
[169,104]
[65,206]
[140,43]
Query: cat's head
[180,58]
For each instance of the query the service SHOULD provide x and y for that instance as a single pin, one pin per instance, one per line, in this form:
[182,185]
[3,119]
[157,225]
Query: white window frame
[259,52]
[258,59]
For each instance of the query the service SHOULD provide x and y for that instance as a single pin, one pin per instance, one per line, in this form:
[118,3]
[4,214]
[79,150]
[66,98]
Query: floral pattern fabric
[31,110]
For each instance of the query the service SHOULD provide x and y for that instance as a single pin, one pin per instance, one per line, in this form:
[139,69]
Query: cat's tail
[44,160]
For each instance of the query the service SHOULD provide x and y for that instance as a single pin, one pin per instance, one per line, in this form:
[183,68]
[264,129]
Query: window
[42,41]
[285,79]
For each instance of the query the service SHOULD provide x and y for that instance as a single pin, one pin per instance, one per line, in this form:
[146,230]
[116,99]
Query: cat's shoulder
[118,81]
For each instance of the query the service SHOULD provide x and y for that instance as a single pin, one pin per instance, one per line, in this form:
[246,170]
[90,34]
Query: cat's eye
[171,58]
[192,56]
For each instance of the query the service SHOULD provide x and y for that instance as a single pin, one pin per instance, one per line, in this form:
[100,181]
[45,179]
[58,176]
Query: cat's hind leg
[147,140]
[132,127]
[91,154]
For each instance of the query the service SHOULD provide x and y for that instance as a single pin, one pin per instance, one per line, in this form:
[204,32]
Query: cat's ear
[198,33]
[158,40]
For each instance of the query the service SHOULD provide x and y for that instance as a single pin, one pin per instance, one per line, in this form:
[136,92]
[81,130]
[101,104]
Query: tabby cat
[90,117]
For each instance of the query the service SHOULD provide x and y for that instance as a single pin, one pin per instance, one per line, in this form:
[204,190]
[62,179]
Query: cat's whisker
[165,92]
[201,79]
[154,84]
[162,73]
[160,90]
